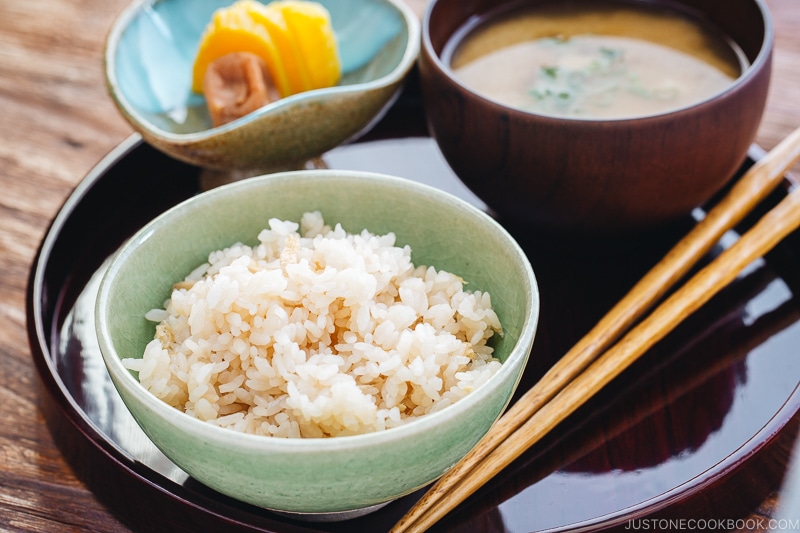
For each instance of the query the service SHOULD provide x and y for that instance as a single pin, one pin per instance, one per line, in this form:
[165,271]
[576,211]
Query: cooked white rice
[317,333]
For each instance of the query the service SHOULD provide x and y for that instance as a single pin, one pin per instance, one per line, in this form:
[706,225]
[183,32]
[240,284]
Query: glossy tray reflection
[700,427]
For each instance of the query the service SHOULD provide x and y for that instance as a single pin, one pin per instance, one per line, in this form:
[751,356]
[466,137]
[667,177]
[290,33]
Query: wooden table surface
[56,123]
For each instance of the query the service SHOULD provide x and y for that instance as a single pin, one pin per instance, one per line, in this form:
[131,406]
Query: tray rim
[94,436]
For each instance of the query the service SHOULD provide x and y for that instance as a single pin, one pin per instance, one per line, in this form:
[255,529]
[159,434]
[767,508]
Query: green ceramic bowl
[148,64]
[340,474]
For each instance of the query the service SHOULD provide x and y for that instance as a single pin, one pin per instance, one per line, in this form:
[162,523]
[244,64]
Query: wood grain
[56,123]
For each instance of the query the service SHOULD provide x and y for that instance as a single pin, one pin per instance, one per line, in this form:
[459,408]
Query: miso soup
[598,60]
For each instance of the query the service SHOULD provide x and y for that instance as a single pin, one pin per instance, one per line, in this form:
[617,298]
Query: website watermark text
[713,524]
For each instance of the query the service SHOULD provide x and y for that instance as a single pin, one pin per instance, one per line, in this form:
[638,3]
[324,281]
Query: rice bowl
[319,475]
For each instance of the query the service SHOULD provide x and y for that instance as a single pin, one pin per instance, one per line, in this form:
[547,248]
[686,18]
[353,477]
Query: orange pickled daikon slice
[286,45]
[295,39]
[310,24]
[232,29]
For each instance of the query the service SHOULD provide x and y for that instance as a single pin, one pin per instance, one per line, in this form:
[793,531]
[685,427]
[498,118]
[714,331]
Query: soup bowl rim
[436,61]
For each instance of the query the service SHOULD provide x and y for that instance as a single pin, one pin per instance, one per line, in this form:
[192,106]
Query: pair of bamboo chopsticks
[582,371]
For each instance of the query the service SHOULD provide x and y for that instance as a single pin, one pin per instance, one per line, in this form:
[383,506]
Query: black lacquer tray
[700,427]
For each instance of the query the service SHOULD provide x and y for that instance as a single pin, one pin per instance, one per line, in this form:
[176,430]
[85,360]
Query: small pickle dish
[149,65]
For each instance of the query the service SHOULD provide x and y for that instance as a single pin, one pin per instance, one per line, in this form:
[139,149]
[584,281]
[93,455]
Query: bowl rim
[122,377]
[126,16]
[764,55]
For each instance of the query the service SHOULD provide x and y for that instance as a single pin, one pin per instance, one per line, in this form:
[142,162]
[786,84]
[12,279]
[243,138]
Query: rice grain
[315,333]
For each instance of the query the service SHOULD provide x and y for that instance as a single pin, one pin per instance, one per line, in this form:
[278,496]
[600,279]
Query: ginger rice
[315,332]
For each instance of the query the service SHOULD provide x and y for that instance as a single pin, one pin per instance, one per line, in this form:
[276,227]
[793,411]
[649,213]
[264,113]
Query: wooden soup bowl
[596,177]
